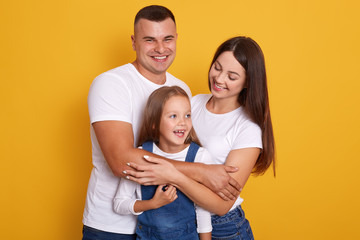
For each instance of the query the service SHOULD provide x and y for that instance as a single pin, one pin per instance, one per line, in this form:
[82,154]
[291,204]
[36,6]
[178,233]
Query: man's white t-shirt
[119,94]
[222,133]
[129,192]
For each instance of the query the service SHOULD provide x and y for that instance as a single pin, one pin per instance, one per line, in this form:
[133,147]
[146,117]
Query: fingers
[223,196]
[136,174]
[152,159]
[168,191]
[141,181]
[236,186]
[229,193]
[230,169]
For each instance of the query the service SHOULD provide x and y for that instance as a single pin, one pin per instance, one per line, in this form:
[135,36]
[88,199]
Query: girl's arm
[244,159]
[203,219]
[128,198]
[205,236]
[160,199]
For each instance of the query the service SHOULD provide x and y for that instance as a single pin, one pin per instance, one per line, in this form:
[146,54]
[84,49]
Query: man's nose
[160,48]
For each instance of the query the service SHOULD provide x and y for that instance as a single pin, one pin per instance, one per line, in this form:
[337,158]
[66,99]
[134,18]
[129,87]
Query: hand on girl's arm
[216,177]
[244,159]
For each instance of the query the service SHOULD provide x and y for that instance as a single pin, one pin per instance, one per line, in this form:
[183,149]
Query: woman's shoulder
[200,99]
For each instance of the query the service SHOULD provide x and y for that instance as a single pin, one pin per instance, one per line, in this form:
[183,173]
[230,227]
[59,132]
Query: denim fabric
[182,232]
[174,221]
[231,226]
[95,234]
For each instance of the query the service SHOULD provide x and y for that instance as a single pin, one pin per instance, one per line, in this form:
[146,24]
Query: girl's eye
[188,116]
[217,68]
[232,78]
[173,116]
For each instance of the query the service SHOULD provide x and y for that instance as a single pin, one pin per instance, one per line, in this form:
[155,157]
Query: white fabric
[129,192]
[222,133]
[119,94]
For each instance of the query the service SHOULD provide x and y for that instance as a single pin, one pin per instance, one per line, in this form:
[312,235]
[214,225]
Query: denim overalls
[174,221]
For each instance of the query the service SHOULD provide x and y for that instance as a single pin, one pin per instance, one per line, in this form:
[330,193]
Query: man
[116,102]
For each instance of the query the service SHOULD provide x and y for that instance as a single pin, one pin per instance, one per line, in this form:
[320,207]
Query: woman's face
[227,77]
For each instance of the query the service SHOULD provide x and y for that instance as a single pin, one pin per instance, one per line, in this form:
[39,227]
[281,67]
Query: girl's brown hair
[254,97]
[150,130]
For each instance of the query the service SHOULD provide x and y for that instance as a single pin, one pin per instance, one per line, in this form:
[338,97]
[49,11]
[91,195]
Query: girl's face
[227,77]
[175,124]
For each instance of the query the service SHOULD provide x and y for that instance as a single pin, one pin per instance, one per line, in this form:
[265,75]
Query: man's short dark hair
[154,13]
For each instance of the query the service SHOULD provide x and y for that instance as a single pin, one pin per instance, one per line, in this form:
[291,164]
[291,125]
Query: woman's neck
[221,106]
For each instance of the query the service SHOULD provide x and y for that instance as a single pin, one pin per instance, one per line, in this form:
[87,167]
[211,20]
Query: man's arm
[116,140]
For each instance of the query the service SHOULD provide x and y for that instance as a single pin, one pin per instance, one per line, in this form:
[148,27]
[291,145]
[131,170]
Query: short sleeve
[108,99]
[247,135]
[203,219]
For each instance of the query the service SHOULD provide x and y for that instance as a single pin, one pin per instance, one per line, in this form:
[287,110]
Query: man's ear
[133,42]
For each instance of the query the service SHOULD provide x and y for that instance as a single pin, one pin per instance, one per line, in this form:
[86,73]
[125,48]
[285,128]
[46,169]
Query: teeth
[218,86]
[179,131]
[160,58]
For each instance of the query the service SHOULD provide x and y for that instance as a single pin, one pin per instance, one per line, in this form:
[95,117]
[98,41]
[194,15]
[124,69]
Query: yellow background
[52,50]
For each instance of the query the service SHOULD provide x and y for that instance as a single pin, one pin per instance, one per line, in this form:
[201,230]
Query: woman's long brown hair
[254,97]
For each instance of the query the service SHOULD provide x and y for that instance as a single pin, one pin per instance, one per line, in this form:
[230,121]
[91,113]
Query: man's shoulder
[171,80]
[117,72]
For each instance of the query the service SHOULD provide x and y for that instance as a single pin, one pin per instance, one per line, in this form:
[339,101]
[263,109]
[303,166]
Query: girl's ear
[153,126]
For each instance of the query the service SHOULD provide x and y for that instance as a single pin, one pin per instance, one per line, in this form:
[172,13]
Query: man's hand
[216,177]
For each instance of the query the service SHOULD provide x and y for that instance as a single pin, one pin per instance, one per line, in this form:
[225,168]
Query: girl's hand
[164,194]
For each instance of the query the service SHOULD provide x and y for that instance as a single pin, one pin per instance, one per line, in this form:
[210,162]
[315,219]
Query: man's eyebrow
[170,36]
[148,37]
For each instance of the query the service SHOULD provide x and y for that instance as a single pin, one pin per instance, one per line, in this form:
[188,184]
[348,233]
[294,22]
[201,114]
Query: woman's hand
[161,172]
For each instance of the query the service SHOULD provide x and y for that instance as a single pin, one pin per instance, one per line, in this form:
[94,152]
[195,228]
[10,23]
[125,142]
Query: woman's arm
[243,159]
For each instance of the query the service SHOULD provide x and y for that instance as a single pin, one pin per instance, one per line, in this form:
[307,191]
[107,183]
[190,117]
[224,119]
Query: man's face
[155,46]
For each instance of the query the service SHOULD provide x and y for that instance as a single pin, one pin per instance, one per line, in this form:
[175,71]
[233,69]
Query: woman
[233,123]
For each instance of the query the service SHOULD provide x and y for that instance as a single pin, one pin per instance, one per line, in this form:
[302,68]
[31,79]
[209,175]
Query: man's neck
[159,79]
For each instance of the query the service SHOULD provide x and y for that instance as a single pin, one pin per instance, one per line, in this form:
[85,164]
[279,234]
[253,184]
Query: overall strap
[193,149]
[148,146]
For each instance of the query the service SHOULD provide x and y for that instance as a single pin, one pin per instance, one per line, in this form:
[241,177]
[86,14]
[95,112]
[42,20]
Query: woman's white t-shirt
[222,133]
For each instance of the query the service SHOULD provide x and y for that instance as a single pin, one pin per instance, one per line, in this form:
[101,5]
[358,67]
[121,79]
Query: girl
[234,124]
[163,212]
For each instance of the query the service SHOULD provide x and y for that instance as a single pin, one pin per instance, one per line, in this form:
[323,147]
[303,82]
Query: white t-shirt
[129,192]
[119,94]
[222,133]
